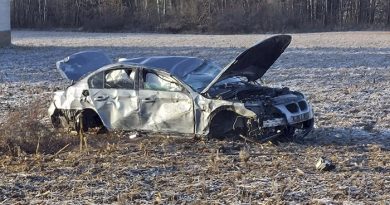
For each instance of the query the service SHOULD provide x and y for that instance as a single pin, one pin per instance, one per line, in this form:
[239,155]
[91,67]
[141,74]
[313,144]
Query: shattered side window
[119,79]
[96,81]
[153,81]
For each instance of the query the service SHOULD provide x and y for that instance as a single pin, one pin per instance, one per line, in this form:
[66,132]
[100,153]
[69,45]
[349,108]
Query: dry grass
[162,169]
[176,170]
[25,131]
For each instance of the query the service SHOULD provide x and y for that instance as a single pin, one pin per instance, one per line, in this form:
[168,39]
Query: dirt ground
[344,75]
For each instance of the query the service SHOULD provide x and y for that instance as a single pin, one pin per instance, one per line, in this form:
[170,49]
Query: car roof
[178,66]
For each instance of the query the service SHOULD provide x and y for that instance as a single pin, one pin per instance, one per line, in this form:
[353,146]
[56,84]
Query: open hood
[82,63]
[255,61]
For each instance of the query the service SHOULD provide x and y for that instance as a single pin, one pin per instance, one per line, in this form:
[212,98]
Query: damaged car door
[114,95]
[166,106]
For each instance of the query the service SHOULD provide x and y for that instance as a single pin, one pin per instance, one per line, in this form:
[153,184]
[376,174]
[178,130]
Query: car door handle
[101,98]
[148,100]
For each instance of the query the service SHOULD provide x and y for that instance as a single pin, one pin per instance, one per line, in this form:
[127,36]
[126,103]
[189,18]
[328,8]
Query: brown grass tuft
[244,155]
[26,131]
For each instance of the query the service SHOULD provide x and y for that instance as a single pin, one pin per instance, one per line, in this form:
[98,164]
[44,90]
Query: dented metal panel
[206,109]
[166,111]
[117,108]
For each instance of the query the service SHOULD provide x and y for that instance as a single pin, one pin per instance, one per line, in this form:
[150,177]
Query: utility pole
[5,23]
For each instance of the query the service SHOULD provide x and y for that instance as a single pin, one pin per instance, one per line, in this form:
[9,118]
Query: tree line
[211,16]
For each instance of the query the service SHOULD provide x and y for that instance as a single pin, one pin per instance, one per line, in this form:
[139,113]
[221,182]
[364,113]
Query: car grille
[293,107]
[296,107]
[302,105]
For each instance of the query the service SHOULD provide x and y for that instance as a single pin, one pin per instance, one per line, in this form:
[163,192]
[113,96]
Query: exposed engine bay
[280,111]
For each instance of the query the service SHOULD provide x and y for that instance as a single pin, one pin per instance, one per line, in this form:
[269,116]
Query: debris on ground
[324,164]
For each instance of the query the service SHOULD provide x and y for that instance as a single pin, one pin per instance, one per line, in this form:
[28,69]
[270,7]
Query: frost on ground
[345,76]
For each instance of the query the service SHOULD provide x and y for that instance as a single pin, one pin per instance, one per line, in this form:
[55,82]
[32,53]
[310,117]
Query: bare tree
[203,15]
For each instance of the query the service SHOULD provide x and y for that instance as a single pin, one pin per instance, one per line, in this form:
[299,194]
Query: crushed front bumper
[296,112]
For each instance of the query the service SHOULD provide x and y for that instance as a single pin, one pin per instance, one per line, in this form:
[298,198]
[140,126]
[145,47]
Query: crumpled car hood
[254,62]
[79,64]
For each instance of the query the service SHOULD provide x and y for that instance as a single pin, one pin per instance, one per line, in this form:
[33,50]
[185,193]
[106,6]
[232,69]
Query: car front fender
[206,109]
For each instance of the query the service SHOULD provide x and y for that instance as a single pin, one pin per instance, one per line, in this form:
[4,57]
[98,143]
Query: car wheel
[89,121]
[226,124]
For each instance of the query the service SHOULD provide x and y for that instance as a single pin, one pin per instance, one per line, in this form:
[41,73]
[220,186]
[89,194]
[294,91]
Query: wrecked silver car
[186,95]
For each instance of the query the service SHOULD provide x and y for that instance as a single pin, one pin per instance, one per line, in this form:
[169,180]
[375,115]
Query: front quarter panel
[206,109]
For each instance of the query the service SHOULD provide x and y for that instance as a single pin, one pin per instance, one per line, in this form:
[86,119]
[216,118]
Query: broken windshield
[202,76]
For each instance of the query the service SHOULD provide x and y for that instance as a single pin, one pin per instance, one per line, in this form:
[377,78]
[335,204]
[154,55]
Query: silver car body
[174,94]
